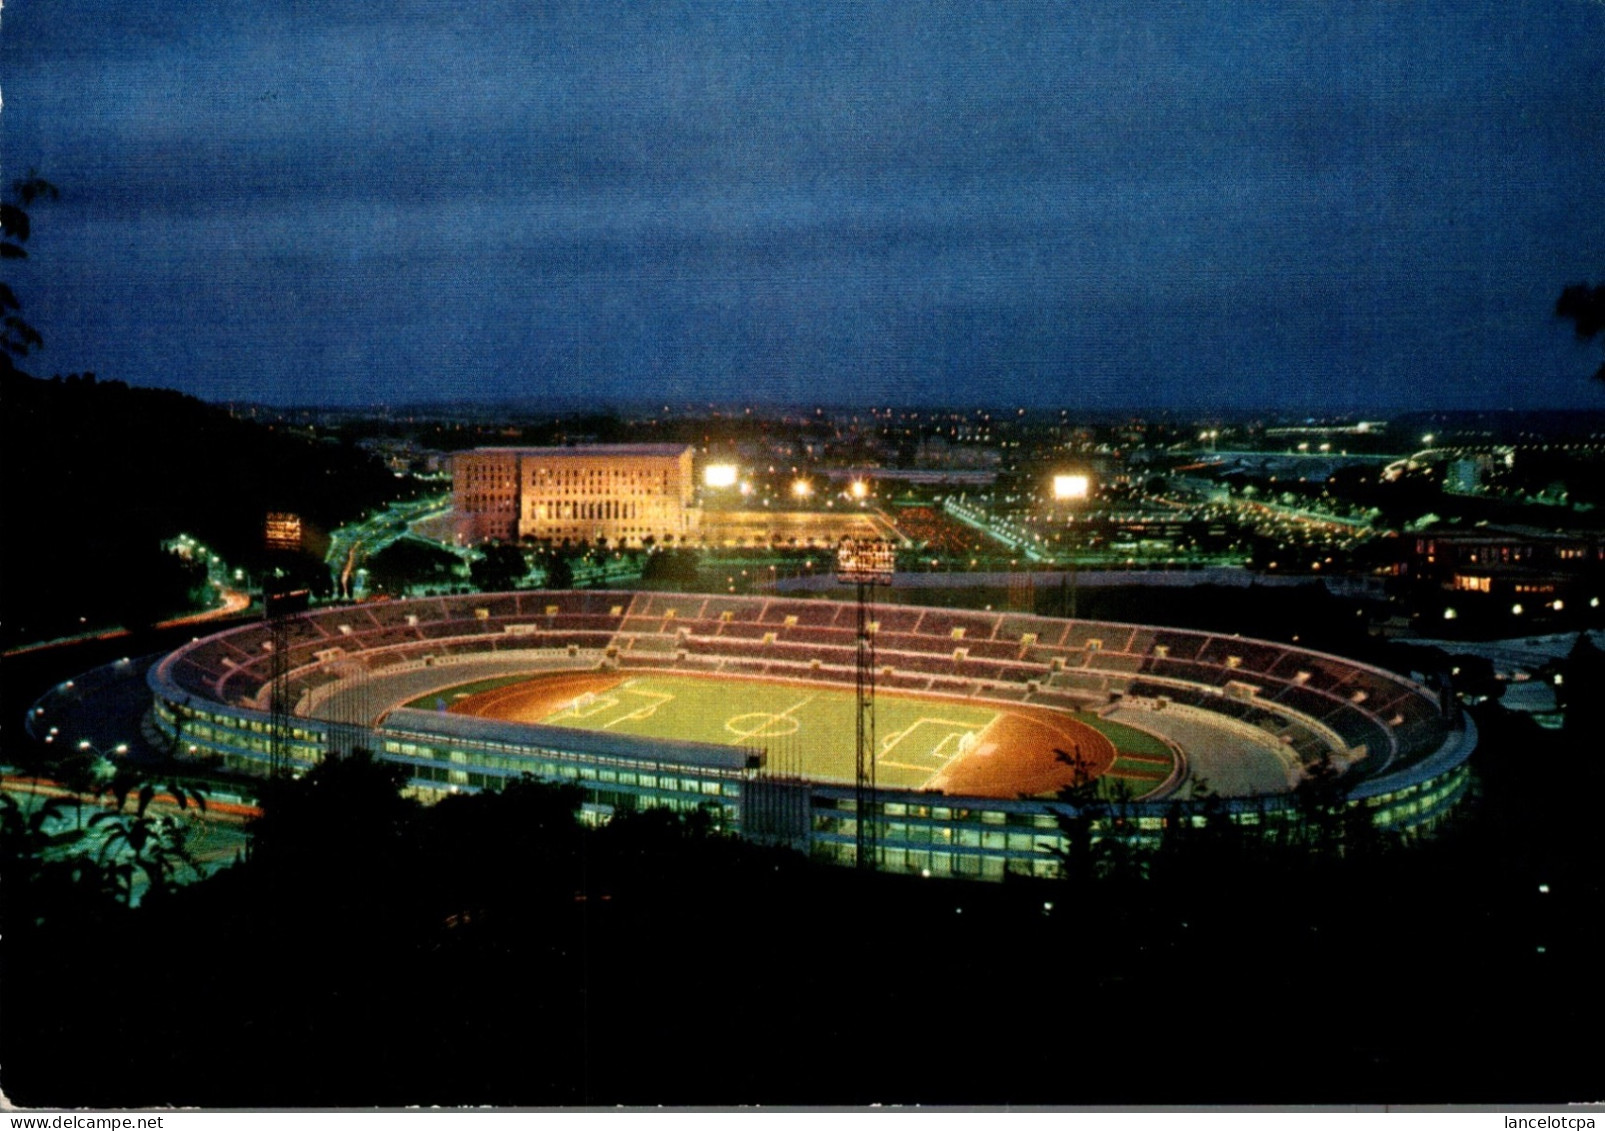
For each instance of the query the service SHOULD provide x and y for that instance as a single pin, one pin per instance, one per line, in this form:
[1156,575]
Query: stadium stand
[1315,704]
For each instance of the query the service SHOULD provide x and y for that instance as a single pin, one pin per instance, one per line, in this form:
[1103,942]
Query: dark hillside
[98,473]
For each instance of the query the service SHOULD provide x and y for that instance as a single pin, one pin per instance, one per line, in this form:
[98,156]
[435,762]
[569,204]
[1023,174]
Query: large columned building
[623,493]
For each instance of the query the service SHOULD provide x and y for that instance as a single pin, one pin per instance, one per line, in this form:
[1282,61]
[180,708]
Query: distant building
[1530,567]
[1467,476]
[623,493]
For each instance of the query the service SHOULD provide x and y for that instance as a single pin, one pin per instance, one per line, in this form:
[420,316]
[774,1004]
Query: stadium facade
[623,493]
[357,673]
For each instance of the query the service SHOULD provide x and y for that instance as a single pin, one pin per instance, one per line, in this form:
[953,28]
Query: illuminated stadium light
[802,488]
[1450,614]
[858,489]
[719,475]
[1515,610]
[1071,486]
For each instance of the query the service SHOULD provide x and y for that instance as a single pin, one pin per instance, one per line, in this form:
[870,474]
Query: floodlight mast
[865,563]
[281,535]
[278,626]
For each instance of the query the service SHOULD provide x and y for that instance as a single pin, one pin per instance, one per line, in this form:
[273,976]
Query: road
[235,602]
[350,545]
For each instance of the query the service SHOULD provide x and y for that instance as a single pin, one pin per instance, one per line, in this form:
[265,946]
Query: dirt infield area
[537,698]
[1017,756]
[1012,751]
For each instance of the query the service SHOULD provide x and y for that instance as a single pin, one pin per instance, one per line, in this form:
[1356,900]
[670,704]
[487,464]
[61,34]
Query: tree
[344,810]
[559,573]
[1584,306]
[1078,817]
[158,583]
[142,842]
[408,562]
[677,567]
[17,337]
[81,773]
[45,883]
[502,567]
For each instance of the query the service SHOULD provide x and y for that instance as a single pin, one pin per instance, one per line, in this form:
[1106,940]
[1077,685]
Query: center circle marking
[762,724]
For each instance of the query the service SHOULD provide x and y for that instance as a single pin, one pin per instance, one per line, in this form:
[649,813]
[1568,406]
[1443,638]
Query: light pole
[1068,488]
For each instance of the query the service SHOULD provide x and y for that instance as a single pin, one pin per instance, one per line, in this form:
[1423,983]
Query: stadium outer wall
[1406,745]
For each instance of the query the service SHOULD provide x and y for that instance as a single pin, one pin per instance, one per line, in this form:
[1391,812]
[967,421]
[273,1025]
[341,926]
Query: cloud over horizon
[1273,202]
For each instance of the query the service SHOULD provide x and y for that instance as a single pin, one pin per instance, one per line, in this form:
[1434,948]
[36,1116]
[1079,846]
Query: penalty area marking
[946,748]
[596,706]
[658,699]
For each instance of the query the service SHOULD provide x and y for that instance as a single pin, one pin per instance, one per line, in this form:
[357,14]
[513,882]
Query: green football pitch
[807,730]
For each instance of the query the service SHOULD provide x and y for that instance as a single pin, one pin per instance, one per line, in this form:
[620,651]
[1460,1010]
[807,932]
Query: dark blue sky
[1321,204]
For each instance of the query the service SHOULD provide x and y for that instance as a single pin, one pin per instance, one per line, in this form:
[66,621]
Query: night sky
[1305,204]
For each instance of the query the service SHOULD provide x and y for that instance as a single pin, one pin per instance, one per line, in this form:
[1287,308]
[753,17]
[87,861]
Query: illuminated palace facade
[623,493]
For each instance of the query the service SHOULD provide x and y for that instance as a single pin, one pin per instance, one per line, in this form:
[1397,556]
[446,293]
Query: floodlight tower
[866,563]
[278,688]
[281,534]
[1070,488]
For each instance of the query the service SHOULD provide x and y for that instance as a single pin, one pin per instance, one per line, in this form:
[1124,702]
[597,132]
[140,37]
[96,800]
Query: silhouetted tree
[1077,817]
[502,567]
[409,562]
[345,808]
[559,572]
[1584,307]
[672,566]
[80,773]
[17,337]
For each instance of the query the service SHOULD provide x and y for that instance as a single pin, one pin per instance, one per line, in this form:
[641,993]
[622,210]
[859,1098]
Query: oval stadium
[747,707]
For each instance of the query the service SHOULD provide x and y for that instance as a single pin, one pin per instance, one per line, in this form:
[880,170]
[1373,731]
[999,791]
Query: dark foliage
[410,561]
[502,568]
[17,337]
[671,567]
[492,950]
[102,472]
[1584,306]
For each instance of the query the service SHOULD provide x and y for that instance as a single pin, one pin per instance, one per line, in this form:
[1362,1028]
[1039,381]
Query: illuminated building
[620,493]
[1537,568]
